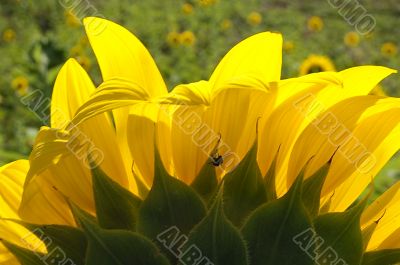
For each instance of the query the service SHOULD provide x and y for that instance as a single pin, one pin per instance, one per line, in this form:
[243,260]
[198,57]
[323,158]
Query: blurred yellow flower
[352,39]
[378,91]
[315,23]
[84,41]
[173,38]
[207,2]
[187,38]
[187,8]
[20,84]
[288,46]
[71,19]
[76,51]
[9,35]
[389,49]
[85,62]
[226,24]
[254,18]
[315,64]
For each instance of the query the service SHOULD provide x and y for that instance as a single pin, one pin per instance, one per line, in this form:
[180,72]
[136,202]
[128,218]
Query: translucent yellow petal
[374,141]
[12,178]
[112,94]
[121,54]
[386,209]
[324,90]
[43,204]
[235,109]
[66,161]
[72,89]
[259,55]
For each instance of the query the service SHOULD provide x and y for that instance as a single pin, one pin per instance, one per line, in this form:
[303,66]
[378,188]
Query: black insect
[216,159]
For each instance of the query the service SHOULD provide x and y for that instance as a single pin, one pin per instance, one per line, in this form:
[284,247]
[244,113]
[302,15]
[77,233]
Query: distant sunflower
[85,62]
[187,8]
[20,84]
[288,46]
[226,24]
[315,23]
[389,49]
[315,64]
[352,39]
[254,18]
[187,38]
[173,38]
[9,35]
[207,2]
[71,19]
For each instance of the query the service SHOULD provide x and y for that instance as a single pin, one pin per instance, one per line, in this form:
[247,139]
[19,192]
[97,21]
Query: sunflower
[9,35]
[254,18]
[379,91]
[173,38]
[226,24]
[243,168]
[187,8]
[288,46]
[315,64]
[315,23]
[187,38]
[352,39]
[389,49]
[71,19]
[20,84]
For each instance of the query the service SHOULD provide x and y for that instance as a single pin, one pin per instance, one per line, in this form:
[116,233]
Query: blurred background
[187,38]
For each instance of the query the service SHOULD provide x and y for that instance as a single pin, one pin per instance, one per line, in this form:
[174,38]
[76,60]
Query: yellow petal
[43,204]
[72,89]
[66,161]
[386,209]
[121,54]
[374,141]
[12,178]
[322,91]
[259,55]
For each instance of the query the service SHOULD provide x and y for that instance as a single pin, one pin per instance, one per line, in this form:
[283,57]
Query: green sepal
[244,188]
[170,203]
[270,181]
[215,239]
[206,182]
[116,207]
[382,257]
[24,255]
[367,233]
[271,231]
[117,247]
[341,235]
[60,240]
[312,188]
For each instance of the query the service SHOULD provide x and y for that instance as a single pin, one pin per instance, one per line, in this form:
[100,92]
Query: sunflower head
[9,35]
[187,38]
[315,23]
[226,24]
[389,49]
[378,91]
[315,64]
[85,62]
[205,3]
[352,39]
[288,46]
[187,8]
[173,38]
[20,84]
[254,18]
[71,19]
